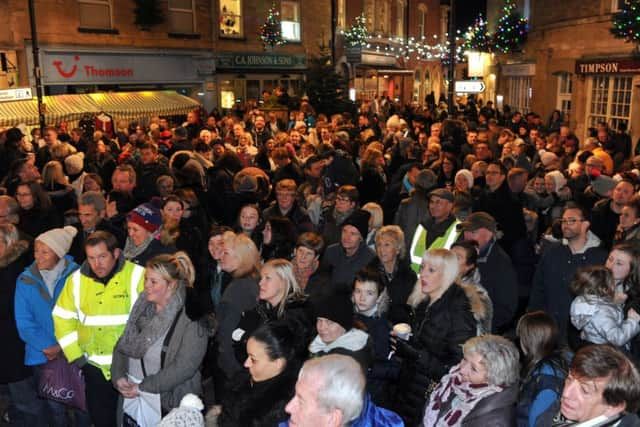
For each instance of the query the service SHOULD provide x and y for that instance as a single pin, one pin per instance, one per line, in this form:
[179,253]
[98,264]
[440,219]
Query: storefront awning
[120,105]
[137,105]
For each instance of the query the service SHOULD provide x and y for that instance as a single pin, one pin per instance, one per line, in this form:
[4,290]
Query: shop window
[181,17]
[400,12]
[563,96]
[231,18]
[95,14]
[422,20]
[610,100]
[417,83]
[519,90]
[290,19]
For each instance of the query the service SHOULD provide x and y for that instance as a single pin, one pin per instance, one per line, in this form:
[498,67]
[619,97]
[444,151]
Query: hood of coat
[584,307]
[14,252]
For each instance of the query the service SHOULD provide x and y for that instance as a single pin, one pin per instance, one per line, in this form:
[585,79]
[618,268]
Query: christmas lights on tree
[356,35]
[271,31]
[477,38]
[511,31]
[626,23]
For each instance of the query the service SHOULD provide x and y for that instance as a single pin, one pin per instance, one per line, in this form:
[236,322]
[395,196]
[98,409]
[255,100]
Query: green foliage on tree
[626,23]
[327,90]
[511,31]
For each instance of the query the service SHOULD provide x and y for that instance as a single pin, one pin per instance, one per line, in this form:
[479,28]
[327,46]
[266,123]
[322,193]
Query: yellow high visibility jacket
[89,317]
[418,243]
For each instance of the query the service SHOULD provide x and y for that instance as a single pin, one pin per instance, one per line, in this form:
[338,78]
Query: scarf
[302,275]
[467,397]
[131,251]
[352,340]
[145,326]
[50,277]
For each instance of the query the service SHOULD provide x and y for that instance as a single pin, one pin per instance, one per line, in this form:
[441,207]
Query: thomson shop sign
[126,67]
[623,66]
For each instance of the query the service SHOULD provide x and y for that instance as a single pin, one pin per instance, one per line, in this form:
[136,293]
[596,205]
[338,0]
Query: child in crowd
[370,305]
[594,312]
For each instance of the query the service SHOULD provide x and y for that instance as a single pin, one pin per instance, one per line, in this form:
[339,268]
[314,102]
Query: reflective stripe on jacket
[442,242]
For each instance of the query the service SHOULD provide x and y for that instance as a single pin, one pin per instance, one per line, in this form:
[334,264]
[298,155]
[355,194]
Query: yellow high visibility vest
[90,317]
[420,238]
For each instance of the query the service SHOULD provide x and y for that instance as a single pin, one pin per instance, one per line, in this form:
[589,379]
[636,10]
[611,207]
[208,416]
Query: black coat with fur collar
[14,262]
[260,404]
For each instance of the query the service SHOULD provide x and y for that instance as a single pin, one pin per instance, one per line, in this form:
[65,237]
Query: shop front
[245,76]
[73,70]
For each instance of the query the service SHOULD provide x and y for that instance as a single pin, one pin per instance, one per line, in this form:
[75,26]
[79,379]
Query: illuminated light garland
[511,31]
[270,31]
[626,23]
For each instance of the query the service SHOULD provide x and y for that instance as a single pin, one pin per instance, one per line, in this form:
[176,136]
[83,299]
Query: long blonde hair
[284,270]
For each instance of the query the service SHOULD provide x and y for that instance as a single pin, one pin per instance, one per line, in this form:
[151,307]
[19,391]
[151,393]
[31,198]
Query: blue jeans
[30,409]
[56,412]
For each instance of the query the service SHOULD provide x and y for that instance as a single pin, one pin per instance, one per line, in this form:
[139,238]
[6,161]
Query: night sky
[467,11]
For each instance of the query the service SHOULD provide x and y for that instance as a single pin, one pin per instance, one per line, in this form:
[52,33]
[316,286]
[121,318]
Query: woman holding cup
[442,321]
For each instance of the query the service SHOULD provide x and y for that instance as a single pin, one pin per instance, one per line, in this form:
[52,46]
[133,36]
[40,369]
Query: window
[376,13]
[617,5]
[519,90]
[290,21]
[400,12]
[610,100]
[422,20]
[342,14]
[95,14]
[417,83]
[231,18]
[181,17]
[563,97]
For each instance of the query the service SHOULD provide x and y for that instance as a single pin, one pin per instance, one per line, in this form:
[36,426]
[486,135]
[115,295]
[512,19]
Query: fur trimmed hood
[14,252]
[481,305]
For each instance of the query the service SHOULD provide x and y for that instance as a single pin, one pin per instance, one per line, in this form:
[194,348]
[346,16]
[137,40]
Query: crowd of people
[396,267]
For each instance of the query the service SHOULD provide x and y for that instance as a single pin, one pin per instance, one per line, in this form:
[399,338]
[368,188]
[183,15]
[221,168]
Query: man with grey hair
[330,392]
[92,216]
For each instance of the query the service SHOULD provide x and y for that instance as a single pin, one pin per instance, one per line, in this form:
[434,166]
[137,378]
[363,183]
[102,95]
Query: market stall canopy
[120,105]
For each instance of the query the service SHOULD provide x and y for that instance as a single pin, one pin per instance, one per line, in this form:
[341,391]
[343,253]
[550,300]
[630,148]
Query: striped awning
[138,105]
[120,105]
[58,108]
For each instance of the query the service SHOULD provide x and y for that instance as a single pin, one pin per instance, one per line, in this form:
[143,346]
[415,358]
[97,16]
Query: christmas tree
[271,31]
[327,90]
[511,31]
[626,23]
[147,14]
[477,37]
[356,36]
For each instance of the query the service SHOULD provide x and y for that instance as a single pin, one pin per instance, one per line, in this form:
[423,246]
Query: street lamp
[37,72]
[451,75]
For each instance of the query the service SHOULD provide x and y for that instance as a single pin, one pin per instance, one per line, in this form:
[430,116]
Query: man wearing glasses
[559,263]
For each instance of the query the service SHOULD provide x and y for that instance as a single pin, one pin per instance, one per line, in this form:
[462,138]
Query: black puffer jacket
[497,410]
[439,331]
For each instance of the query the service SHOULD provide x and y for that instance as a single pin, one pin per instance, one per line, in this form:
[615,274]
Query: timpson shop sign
[606,66]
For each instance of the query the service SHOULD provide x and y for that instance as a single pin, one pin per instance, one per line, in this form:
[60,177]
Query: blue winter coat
[371,416]
[33,307]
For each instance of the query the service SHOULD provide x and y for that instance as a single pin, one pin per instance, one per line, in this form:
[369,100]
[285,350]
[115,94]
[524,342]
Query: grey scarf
[145,326]
[131,251]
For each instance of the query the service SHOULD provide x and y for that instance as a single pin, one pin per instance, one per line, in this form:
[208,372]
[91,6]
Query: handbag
[63,382]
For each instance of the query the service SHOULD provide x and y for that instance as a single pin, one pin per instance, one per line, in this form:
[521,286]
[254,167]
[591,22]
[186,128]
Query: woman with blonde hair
[442,321]
[280,298]
[240,259]
[55,183]
[161,348]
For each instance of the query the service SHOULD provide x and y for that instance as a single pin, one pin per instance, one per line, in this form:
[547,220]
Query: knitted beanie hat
[58,239]
[147,216]
[336,307]
[466,173]
[360,220]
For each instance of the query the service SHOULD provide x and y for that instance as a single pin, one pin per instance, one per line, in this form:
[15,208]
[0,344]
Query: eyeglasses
[570,221]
